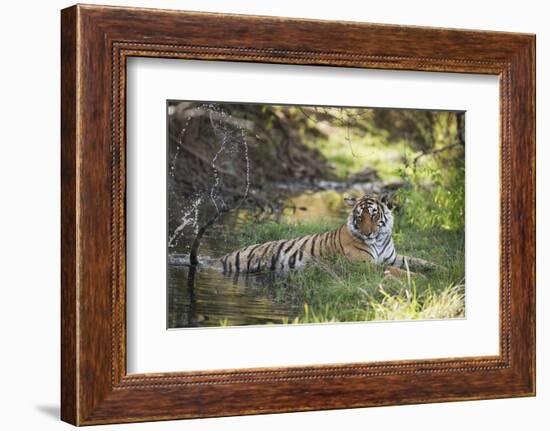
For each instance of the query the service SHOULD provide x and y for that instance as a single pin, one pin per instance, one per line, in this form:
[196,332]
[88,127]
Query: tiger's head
[370,217]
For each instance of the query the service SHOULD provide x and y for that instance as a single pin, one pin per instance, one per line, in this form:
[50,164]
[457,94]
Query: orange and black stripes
[282,255]
[365,237]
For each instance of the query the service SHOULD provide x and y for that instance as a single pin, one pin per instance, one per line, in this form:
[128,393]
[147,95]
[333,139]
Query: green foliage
[380,139]
[436,197]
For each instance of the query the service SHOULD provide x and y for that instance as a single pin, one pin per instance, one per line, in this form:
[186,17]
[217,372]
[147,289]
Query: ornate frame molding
[96,41]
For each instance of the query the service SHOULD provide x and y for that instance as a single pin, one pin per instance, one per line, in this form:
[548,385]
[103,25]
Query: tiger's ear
[350,201]
[386,198]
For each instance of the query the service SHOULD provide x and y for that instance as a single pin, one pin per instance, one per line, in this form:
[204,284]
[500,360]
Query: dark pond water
[209,298]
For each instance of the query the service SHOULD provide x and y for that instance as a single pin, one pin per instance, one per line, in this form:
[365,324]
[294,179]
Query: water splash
[232,138]
[172,172]
[190,217]
[214,189]
[247,164]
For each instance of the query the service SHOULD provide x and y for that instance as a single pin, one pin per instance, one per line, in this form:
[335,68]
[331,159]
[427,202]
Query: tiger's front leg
[408,263]
[398,272]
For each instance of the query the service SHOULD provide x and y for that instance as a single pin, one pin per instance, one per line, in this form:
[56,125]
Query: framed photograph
[266,215]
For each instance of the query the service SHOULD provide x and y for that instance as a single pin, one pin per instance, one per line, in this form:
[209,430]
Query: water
[209,298]
[218,300]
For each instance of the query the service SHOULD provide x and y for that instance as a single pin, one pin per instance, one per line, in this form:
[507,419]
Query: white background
[29,227]
[151,348]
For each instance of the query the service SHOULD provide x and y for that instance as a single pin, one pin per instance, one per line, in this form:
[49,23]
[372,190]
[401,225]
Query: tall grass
[341,291]
[338,290]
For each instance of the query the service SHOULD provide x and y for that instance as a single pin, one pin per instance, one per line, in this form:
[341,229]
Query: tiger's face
[370,216]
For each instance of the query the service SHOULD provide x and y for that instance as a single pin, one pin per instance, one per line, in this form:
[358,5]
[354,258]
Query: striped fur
[365,237]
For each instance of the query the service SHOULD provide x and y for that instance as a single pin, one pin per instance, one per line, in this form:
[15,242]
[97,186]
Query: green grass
[341,291]
[271,231]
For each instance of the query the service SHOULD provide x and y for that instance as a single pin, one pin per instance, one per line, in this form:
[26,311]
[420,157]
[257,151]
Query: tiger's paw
[423,265]
[401,273]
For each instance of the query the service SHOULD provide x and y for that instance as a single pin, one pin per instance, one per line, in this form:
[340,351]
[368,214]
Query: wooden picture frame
[95,43]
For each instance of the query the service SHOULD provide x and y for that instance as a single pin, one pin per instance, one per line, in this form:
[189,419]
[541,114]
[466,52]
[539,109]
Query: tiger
[366,236]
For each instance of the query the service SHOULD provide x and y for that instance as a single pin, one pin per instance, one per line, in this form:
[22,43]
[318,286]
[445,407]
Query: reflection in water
[200,296]
[209,298]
